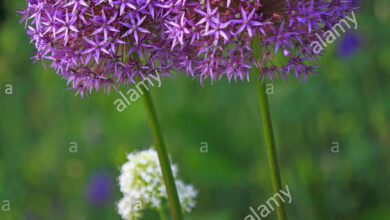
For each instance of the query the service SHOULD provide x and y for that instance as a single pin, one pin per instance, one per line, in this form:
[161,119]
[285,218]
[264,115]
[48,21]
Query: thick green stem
[269,135]
[173,198]
[161,212]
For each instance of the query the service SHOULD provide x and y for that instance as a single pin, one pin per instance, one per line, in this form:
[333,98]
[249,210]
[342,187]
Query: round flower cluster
[102,43]
[219,34]
[143,187]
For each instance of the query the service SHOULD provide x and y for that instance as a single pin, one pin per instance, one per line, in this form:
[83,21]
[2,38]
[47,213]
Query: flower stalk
[173,198]
[271,148]
[161,212]
[269,135]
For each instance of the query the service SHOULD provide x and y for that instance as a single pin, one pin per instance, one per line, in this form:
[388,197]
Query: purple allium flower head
[349,44]
[221,31]
[99,188]
[104,43]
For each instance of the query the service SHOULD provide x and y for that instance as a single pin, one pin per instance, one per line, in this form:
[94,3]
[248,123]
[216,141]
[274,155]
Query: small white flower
[142,185]
[187,195]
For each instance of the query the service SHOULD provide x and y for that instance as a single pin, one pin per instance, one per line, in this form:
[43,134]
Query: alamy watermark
[204,147]
[7,89]
[135,93]
[265,209]
[73,148]
[5,205]
[335,148]
[331,35]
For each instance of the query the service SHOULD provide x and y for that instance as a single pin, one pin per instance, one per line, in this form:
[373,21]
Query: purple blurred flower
[31,215]
[99,188]
[104,43]
[355,3]
[348,45]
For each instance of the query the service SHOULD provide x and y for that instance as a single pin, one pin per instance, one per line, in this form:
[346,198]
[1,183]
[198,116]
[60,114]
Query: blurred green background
[347,103]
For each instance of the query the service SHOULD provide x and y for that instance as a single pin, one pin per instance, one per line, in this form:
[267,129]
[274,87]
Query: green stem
[131,214]
[269,135]
[162,214]
[173,198]
[271,149]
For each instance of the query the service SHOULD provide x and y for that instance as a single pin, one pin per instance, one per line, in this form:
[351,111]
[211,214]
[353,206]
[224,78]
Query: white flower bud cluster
[142,185]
